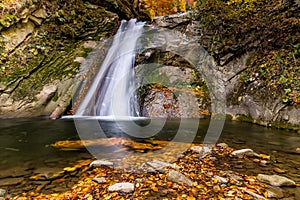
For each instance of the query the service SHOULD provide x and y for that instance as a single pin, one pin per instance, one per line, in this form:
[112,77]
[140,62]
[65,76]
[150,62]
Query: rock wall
[253,102]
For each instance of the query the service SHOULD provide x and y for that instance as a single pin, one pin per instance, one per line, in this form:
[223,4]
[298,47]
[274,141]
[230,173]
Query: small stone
[101,163]
[99,180]
[216,188]
[179,178]
[278,170]
[275,180]
[79,60]
[221,179]
[2,193]
[263,163]
[245,152]
[298,150]
[122,187]
[223,145]
[203,150]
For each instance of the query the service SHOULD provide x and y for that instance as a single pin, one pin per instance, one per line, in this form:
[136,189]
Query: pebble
[223,145]
[2,193]
[122,187]
[99,180]
[275,180]
[100,163]
[221,179]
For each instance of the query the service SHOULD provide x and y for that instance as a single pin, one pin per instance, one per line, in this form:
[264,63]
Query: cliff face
[255,46]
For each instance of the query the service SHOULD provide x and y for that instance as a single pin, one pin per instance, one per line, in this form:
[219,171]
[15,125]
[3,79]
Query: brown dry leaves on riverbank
[208,181]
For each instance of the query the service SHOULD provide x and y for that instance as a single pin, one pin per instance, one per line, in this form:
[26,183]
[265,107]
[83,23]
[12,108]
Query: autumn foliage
[167,7]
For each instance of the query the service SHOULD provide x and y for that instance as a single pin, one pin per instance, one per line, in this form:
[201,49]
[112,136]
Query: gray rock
[179,178]
[221,179]
[121,187]
[160,165]
[101,163]
[99,180]
[275,180]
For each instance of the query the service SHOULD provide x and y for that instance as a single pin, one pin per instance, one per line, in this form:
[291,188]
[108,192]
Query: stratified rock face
[38,55]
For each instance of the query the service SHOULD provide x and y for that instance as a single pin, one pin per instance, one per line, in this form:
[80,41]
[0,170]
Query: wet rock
[275,180]
[10,181]
[263,163]
[99,180]
[244,152]
[223,145]
[179,178]
[200,149]
[122,187]
[101,163]
[160,165]
[274,192]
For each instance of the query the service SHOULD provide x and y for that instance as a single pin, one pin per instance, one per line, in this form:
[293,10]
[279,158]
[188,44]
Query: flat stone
[40,13]
[221,179]
[99,180]
[244,152]
[161,166]
[16,35]
[275,180]
[122,187]
[256,196]
[179,178]
[10,181]
[101,163]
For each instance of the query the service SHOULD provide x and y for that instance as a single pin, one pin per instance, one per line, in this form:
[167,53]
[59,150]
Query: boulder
[275,180]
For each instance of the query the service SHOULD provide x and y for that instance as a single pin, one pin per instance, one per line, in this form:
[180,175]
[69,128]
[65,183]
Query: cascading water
[112,92]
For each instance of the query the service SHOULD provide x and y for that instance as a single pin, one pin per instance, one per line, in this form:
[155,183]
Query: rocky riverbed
[202,172]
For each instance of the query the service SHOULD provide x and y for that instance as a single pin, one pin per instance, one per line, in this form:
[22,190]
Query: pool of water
[27,142]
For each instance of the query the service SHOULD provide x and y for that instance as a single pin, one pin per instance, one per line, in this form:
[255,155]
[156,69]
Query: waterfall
[113,91]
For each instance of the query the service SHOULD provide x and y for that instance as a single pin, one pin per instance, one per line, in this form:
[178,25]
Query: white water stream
[112,92]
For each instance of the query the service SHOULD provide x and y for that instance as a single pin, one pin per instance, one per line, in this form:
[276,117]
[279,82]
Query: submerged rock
[10,181]
[160,165]
[275,180]
[121,187]
[179,178]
